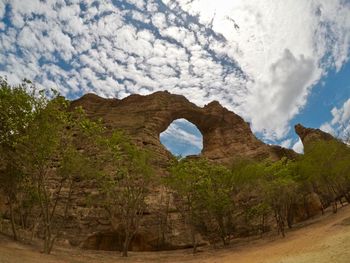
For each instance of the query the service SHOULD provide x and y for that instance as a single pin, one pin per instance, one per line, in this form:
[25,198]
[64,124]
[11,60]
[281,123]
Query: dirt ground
[323,239]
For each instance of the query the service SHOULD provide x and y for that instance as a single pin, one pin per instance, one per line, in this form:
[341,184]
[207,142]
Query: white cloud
[344,112]
[258,58]
[286,143]
[159,20]
[2,9]
[284,47]
[326,127]
[285,93]
[340,124]
[298,147]
[176,132]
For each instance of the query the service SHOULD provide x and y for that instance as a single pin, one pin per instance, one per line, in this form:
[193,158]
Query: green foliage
[49,143]
[216,191]
[38,136]
[203,190]
[281,192]
[16,111]
[185,181]
[125,183]
[327,167]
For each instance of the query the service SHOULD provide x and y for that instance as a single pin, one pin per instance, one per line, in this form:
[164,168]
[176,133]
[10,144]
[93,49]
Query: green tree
[16,112]
[125,184]
[185,180]
[280,192]
[326,164]
[248,178]
[51,161]
[216,191]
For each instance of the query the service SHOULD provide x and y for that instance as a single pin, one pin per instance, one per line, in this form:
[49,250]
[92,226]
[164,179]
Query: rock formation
[310,135]
[225,134]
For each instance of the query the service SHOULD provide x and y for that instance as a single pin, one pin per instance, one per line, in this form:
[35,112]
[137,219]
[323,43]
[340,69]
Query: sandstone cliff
[225,134]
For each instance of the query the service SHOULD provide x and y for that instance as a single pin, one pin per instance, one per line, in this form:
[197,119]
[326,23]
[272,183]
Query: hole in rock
[182,138]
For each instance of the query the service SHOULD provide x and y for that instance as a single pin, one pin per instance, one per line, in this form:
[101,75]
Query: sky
[275,63]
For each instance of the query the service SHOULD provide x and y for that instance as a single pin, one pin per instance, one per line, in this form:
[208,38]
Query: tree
[216,191]
[280,192]
[125,184]
[16,112]
[248,179]
[51,161]
[326,165]
[184,180]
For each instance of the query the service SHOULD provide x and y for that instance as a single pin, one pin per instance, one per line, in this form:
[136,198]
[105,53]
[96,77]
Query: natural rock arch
[225,134]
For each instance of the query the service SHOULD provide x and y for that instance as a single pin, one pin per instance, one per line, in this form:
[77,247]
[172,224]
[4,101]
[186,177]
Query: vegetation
[42,159]
[15,115]
[47,147]
[124,183]
[186,179]
[218,201]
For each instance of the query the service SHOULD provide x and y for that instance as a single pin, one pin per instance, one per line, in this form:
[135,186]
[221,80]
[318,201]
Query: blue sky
[275,63]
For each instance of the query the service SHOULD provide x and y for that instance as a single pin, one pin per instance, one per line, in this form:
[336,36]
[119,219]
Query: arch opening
[182,138]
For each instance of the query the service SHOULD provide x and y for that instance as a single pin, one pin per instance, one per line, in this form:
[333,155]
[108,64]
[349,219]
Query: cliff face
[225,134]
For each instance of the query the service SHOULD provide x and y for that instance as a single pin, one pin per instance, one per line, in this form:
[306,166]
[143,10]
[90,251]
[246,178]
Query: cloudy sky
[273,62]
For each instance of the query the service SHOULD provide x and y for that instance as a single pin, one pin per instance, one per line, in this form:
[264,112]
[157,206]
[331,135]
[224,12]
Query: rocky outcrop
[310,135]
[225,134]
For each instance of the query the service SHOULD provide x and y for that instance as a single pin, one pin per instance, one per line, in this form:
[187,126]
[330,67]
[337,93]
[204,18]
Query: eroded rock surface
[225,134]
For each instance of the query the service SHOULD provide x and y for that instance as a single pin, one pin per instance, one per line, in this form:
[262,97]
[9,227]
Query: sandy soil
[324,239]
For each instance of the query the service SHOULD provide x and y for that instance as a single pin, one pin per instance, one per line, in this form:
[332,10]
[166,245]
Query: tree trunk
[52,242]
[283,234]
[21,214]
[48,235]
[290,217]
[126,243]
[47,240]
[223,232]
[280,224]
[334,207]
[194,242]
[13,226]
[35,226]
[306,207]
[262,230]
[126,247]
